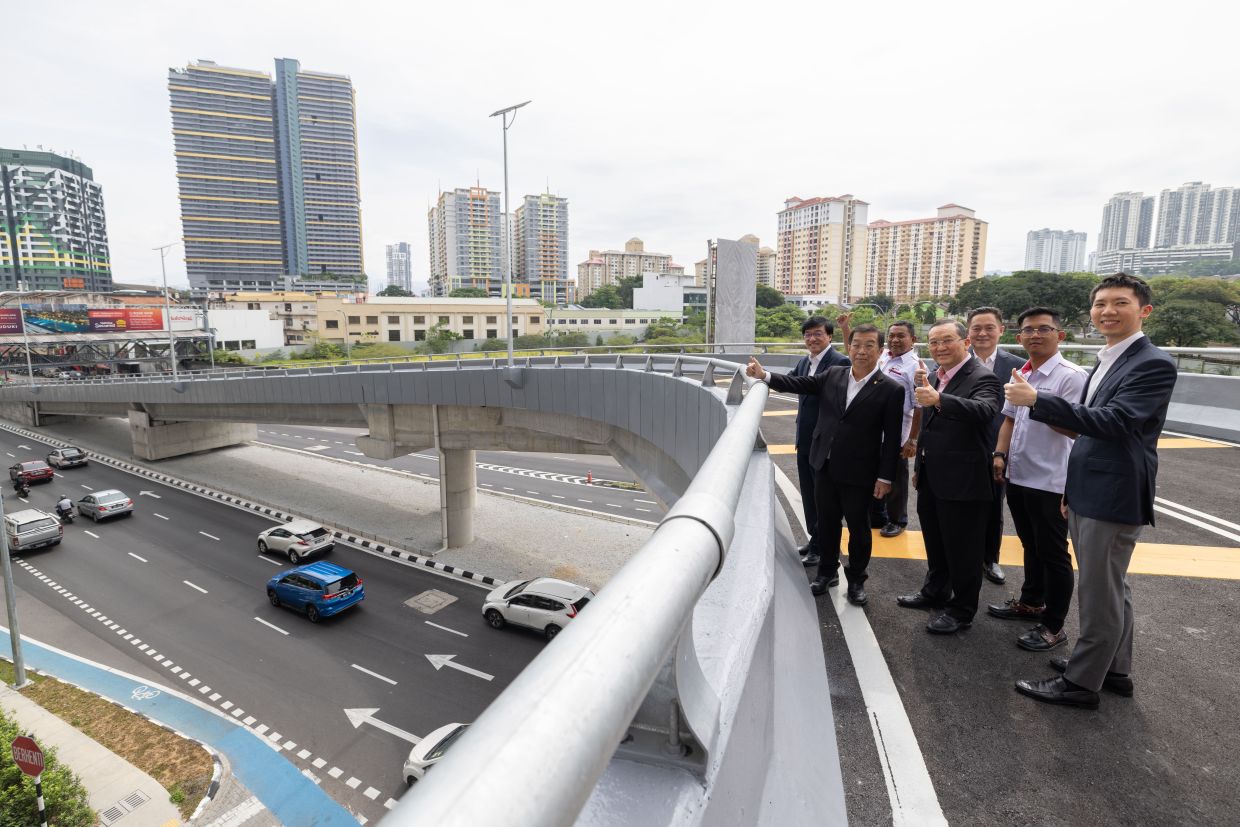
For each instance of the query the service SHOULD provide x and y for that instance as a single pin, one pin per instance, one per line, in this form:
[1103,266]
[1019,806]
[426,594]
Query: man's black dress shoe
[891,530]
[1113,682]
[1040,639]
[857,595]
[1058,691]
[821,584]
[803,550]
[1013,609]
[810,560]
[945,624]
[993,573]
[917,600]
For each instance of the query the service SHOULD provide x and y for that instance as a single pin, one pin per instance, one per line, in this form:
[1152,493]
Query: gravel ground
[513,539]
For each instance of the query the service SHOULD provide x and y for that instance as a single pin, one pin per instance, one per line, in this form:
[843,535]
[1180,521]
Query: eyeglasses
[815,334]
[1043,330]
[943,342]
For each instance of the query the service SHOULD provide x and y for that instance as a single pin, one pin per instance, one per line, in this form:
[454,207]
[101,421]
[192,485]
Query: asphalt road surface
[184,578]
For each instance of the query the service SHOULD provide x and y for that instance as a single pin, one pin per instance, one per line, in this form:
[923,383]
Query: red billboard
[125,318]
[10,321]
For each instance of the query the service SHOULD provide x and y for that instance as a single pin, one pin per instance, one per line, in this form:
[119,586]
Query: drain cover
[430,601]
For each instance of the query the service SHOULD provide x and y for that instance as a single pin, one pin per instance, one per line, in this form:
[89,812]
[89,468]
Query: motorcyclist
[21,487]
[64,505]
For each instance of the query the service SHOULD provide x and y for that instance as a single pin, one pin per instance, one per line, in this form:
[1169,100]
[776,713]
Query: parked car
[296,540]
[99,505]
[427,752]
[543,603]
[69,457]
[35,470]
[320,589]
[32,528]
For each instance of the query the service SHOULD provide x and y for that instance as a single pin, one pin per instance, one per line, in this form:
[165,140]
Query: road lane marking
[445,628]
[373,674]
[781,449]
[1187,442]
[647,510]
[591,502]
[136,557]
[1196,513]
[192,586]
[646,502]
[24,447]
[440,661]
[212,536]
[318,448]
[1199,523]
[1203,438]
[14,456]
[87,487]
[355,453]
[558,497]
[613,505]
[535,493]
[779,413]
[91,533]
[160,516]
[267,559]
[271,626]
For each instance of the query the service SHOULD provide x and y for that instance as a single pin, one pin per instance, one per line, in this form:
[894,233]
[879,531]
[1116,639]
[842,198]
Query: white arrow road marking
[12,455]
[372,674]
[136,557]
[24,447]
[160,516]
[440,661]
[87,487]
[149,494]
[445,628]
[192,586]
[92,534]
[357,717]
[212,536]
[271,626]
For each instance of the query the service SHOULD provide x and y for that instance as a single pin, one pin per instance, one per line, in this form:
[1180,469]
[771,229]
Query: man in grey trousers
[1109,493]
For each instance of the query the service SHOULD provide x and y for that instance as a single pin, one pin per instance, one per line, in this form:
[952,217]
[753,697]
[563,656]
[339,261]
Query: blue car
[320,589]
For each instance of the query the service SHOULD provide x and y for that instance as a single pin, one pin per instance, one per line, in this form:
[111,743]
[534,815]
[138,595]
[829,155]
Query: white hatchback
[544,603]
[296,540]
[429,750]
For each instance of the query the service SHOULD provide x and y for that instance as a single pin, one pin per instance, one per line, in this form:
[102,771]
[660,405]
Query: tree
[394,291]
[607,296]
[1184,323]
[468,293]
[769,297]
[881,300]
[625,288]
[781,322]
[438,340]
[1067,293]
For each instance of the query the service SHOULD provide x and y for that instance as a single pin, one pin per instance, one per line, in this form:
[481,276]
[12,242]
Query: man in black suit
[817,332]
[1109,492]
[853,452]
[952,476]
[985,329]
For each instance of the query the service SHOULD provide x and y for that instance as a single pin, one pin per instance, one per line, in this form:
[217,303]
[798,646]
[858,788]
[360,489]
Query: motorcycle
[65,514]
[21,487]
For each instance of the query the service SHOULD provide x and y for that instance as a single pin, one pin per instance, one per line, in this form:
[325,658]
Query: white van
[32,528]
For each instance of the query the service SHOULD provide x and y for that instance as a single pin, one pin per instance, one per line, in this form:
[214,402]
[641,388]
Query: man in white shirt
[899,362]
[1033,458]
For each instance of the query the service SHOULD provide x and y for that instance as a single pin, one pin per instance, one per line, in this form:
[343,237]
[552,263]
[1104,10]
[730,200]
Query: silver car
[70,457]
[427,752]
[296,540]
[100,505]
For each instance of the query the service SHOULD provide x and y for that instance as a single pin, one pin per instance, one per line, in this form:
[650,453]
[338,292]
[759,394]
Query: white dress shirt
[989,361]
[1038,454]
[1106,359]
[902,369]
[815,359]
[855,385]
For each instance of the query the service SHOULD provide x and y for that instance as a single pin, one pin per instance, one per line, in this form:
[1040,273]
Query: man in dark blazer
[853,452]
[952,476]
[817,332]
[1109,491]
[985,326]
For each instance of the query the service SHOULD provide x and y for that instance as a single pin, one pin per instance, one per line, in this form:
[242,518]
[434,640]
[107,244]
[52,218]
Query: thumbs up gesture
[925,395]
[1019,392]
[755,370]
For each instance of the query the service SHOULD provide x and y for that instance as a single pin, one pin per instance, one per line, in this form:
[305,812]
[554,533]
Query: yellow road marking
[781,449]
[1169,559]
[779,413]
[1187,442]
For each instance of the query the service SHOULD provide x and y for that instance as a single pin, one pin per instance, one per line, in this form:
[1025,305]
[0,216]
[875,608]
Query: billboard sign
[41,319]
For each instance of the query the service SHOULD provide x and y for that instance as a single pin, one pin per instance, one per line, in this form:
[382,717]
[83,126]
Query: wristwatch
[999,454]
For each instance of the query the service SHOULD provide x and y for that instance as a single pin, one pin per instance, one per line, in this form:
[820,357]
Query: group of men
[1072,452]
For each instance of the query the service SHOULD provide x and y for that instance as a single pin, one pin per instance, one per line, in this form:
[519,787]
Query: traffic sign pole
[10,601]
[38,791]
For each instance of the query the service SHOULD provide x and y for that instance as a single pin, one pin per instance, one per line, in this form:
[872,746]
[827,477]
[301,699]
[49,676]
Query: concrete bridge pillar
[460,483]
[160,439]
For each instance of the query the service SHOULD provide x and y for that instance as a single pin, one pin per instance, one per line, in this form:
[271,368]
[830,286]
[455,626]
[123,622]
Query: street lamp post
[348,347]
[507,239]
[163,270]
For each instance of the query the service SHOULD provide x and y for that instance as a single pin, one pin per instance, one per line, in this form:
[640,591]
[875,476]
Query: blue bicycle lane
[290,796]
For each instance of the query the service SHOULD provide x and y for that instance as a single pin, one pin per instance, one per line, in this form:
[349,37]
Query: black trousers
[954,533]
[1043,533]
[805,476]
[851,503]
[994,523]
[894,507]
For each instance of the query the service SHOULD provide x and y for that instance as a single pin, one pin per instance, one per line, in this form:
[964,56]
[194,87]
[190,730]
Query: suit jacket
[807,406]
[1114,460]
[956,439]
[862,440]
[1005,362]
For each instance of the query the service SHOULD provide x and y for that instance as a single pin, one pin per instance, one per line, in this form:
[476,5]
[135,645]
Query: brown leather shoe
[1013,609]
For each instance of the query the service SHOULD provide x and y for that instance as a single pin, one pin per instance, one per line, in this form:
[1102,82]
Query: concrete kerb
[344,533]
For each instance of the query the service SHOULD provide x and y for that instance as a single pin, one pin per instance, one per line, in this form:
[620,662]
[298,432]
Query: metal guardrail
[536,753]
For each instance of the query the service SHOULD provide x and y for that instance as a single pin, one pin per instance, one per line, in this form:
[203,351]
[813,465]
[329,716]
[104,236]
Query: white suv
[296,540]
[544,603]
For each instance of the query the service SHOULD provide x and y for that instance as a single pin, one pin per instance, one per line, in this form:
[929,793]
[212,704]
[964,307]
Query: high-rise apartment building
[821,247]
[267,176]
[1196,214]
[609,266]
[400,266]
[542,246]
[925,256]
[53,235]
[1055,251]
[1127,220]
[466,229]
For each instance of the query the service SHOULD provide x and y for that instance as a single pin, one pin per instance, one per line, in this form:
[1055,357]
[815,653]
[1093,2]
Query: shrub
[64,798]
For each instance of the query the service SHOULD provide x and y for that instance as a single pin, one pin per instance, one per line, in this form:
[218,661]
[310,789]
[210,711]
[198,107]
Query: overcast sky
[671,121]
